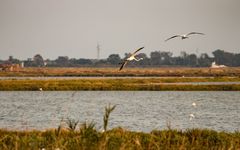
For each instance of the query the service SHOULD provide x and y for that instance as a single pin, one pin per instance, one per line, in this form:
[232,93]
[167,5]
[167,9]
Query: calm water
[136,110]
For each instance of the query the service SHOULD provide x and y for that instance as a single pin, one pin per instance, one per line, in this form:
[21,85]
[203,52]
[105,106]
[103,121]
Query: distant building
[22,64]
[214,65]
[10,67]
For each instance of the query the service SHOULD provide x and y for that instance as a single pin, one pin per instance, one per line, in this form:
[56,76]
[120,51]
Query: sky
[73,28]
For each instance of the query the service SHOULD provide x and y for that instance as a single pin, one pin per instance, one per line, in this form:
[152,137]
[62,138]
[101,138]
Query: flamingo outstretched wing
[123,64]
[172,37]
[195,33]
[134,53]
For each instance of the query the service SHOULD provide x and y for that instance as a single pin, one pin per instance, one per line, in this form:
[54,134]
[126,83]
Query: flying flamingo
[184,36]
[130,58]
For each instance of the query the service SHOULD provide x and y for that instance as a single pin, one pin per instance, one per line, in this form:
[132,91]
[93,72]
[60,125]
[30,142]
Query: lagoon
[136,110]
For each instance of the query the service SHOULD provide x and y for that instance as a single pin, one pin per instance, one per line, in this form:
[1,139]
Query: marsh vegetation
[106,72]
[87,137]
[151,84]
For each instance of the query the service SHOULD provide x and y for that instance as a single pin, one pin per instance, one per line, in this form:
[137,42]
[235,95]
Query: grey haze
[74,27]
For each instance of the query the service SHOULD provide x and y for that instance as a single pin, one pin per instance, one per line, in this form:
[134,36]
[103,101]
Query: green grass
[119,138]
[154,84]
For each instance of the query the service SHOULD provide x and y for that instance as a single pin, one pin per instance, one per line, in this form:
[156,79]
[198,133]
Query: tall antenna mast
[197,56]
[98,51]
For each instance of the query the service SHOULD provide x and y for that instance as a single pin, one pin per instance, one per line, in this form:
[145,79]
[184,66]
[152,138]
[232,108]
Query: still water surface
[136,110]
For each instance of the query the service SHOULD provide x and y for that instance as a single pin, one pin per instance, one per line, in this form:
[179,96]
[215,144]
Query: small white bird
[130,58]
[184,36]
[191,116]
[40,89]
[194,104]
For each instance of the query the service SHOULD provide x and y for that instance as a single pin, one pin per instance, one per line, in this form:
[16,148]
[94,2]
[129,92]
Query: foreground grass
[158,71]
[118,138]
[86,136]
[157,84]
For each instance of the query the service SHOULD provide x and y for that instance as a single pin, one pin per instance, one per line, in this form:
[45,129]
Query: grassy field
[177,75]
[159,71]
[157,84]
[87,137]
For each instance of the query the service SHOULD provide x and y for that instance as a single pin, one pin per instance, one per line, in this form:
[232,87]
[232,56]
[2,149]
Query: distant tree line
[156,59]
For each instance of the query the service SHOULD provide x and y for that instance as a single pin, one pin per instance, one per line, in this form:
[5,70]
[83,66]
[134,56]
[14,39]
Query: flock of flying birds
[132,56]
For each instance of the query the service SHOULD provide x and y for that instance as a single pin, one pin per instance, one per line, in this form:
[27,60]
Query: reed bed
[87,137]
[158,71]
[151,84]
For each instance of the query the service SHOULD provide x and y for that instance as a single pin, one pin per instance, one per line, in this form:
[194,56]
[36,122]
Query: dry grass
[118,138]
[176,74]
[160,71]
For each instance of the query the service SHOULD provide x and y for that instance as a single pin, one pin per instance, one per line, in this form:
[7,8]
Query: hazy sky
[74,27]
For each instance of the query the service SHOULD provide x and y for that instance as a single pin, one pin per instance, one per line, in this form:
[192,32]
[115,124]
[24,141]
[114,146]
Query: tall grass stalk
[72,124]
[108,110]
